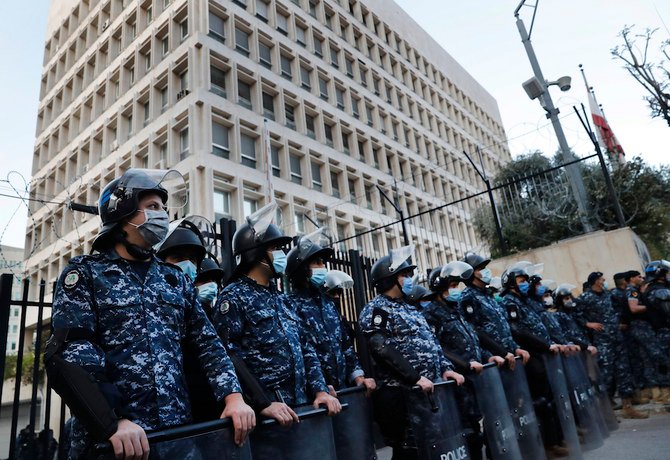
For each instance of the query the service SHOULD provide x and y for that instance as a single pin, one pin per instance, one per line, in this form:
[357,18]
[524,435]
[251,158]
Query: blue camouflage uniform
[406,330]
[323,324]
[654,359]
[612,356]
[549,321]
[139,325]
[572,331]
[519,312]
[481,310]
[642,373]
[261,326]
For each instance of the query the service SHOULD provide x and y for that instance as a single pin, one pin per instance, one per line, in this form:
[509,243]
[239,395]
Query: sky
[481,35]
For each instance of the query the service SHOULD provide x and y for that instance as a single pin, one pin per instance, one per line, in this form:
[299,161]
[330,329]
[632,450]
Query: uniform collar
[272,287]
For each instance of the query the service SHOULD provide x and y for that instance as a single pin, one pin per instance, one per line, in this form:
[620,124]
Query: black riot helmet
[251,240]
[384,273]
[508,278]
[209,271]
[657,269]
[192,234]
[475,260]
[308,248]
[120,198]
[560,293]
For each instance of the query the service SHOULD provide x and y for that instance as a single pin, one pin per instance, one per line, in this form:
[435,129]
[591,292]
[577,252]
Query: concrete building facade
[11,261]
[357,98]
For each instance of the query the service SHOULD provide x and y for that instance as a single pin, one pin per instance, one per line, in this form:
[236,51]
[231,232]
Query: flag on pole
[606,137]
[269,189]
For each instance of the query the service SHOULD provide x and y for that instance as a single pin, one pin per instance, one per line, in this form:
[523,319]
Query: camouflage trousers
[614,364]
[654,357]
[641,373]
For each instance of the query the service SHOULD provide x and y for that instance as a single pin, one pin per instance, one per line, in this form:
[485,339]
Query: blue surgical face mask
[407,286]
[523,287]
[540,290]
[454,294]
[606,286]
[188,268]
[486,275]
[424,303]
[279,261]
[155,226]
[318,277]
[207,292]
[497,297]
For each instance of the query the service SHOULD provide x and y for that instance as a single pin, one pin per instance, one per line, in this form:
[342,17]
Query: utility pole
[574,176]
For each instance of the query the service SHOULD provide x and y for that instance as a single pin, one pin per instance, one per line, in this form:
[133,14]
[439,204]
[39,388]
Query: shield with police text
[435,423]
[301,441]
[498,425]
[352,427]
[559,389]
[521,409]
[583,403]
[604,404]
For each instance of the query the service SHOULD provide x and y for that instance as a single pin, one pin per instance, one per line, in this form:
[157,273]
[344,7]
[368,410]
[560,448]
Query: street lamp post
[542,92]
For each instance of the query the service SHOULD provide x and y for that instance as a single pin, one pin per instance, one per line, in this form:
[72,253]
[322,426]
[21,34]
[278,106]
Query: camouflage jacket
[481,310]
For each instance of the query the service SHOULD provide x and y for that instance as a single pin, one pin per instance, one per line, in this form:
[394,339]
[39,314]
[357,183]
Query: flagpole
[269,189]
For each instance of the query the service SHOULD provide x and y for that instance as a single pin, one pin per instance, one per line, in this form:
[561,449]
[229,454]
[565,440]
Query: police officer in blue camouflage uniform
[260,324]
[403,346]
[596,313]
[119,317]
[306,269]
[563,304]
[656,298]
[479,307]
[459,342]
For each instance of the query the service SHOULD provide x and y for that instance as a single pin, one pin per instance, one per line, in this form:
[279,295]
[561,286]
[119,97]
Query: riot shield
[312,437]
[498,425]
[435,423]
[559,389]
[352,428]
[604,404]
[521,409]
[201,441]
[583,403]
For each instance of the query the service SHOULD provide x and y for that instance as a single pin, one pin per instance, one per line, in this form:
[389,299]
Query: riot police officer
[260,326]
[403,346]
[564,303]
[118,316]
[208,281]
[306,269]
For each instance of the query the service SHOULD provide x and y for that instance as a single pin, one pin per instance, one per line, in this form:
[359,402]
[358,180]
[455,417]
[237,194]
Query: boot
[665,395]
[557,451]
[656,395]
[646,393]
[629,412]
[638,398]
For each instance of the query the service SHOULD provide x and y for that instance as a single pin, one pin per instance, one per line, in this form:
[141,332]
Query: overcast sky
[480,35]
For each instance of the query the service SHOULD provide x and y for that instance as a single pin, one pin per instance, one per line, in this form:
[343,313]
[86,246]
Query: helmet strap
[134,250]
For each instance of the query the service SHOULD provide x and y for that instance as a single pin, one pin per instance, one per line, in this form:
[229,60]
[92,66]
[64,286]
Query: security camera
[564,83]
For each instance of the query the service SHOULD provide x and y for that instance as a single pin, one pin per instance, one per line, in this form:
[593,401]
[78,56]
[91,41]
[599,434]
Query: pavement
[644,439]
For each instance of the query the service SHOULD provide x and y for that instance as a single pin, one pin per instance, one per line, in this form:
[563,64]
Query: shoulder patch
[225,307]
[379,318]
[71,279]
[634,294]
[469,310]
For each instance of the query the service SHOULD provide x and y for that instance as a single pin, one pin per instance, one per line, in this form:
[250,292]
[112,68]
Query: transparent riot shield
[306,440]
[559,389]
[521,409]
[435,423]
[583,403]
[352,428]
[201,441]
[601,391]
[498,425]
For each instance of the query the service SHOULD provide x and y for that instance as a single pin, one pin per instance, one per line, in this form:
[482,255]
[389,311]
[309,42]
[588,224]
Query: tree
[654,77]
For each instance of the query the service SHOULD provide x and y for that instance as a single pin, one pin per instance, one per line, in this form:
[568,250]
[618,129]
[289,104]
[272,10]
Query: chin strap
[268,263]
[134,250]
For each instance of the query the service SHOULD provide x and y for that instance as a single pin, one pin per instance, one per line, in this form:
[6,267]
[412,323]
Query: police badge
[225,306]
[71,279]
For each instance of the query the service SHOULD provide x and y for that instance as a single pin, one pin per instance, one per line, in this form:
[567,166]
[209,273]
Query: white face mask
[548,301]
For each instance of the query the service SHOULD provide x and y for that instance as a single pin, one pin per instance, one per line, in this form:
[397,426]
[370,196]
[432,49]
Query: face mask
[606,286]
[155,226]
[497,298]
[207,292]
[540,291]
[188,268]
[549,301]
[424,304]
[279,261]
[318,276]
[454,294]
[407,286]
[523,287]
[486,275]
[569,304]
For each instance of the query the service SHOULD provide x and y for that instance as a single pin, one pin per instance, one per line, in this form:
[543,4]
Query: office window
[323,88]
[183,144]
[183,26]
[268,106]
[300,35]
[289,113]
[164,98]
[147,60]
[221,205]
[285,62]
[339,97]
[218,78]
[296,169]
[334,59]
[318,46]
[335,184]
[217,28]
[165,45]
[249,206]
[265,55]
[220,142]
[262,10]
[328,131]
[129,120]
[305,77]
[248,150]
[316,176]
[345,142]
[183,80]
[242,41]
[282,23]
[147,113]
[309,124]
[352,190]
[354,107]
[368,196]
[274,154]
[312,8]
[244,94]
[299,223]
[350,67]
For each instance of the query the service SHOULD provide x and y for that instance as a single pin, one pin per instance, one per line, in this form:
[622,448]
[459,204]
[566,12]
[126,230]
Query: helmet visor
[321,237]
[400,255]
[260,220]
[336,279]
[199,225]
[456,269]
[169,180]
